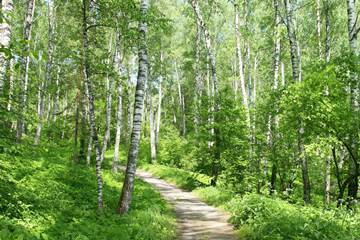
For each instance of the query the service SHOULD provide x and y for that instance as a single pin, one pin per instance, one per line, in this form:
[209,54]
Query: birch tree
[128,186]
[25,61]
[5,35]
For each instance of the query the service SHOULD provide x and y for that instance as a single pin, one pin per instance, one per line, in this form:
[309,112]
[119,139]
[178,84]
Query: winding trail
[196,220]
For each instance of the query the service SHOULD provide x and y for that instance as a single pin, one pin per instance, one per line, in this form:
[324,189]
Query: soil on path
[196,220]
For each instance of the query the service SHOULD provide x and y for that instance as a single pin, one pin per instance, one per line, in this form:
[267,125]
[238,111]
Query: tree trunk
[109,86]
[158,119]
[44,85]
[241,64]
[181,103]
[354,137]
[11,84]
[211,55]
[327,32]
[292,40]
[115,164]
[118,67]
[25,60]
[152,125]
[5,35]
[198,82]
[318,27]
[89,87]
[128,186]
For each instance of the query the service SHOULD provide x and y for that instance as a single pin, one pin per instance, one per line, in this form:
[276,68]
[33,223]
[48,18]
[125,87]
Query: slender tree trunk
[327,180]
[25,68]
[354,137]
[89,87]
[273,119]
[57,94]
[197,78]
[109,86]
[181,102]
[211,55]
[241,63]
[49,63]
[118,66]
[152,124]
[318,27]
[158,119]
[292,40]
[115,164]
[5,35]
[296,70]
[327,32]
[11,84]
[128,187]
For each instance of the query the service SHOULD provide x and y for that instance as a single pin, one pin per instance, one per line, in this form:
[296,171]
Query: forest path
[196,220]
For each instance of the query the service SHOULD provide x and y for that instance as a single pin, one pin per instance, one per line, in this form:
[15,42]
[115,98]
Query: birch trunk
[128,186]
[43,89]
[158,119]
[318,27]
[211,55]
[118,67]
[197,77]
[5,35]
[354,137]
[152,125]
[25,60]
[292,40]
[11,84]
[115,165]
[89,87]
[241,63]
[109,86]
[327,32]
[272,119]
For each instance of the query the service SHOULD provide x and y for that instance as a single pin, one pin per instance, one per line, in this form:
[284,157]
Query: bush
[259,217]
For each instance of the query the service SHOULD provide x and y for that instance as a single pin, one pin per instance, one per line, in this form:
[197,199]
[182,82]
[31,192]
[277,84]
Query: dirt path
[196,220]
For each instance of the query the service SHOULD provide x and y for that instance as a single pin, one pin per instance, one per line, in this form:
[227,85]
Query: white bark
[241,64]
[25,68]
[128,186]
[5,35]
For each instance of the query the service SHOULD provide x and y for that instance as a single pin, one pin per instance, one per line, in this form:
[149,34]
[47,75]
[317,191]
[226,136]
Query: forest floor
[196,220]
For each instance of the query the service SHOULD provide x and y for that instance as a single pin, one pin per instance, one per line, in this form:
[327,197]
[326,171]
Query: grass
[261,217]
[183,179]
[43,195]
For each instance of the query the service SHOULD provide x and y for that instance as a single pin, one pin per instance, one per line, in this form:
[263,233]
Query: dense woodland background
[253,104]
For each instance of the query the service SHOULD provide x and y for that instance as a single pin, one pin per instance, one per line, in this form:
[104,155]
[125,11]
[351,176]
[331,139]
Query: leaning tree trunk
[128,186]
[89,87]
[5,35]
[49,63]
[25,60]
[354,137]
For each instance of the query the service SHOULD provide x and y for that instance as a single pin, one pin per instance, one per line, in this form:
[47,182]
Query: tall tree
[49,65]
[128,186]
[5,35]
[25,61]
[90,94]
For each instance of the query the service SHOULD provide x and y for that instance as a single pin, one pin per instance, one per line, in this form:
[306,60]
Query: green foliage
[259,217]
[45,196]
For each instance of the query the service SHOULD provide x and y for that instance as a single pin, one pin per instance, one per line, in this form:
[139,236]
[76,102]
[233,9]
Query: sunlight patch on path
[196,220]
